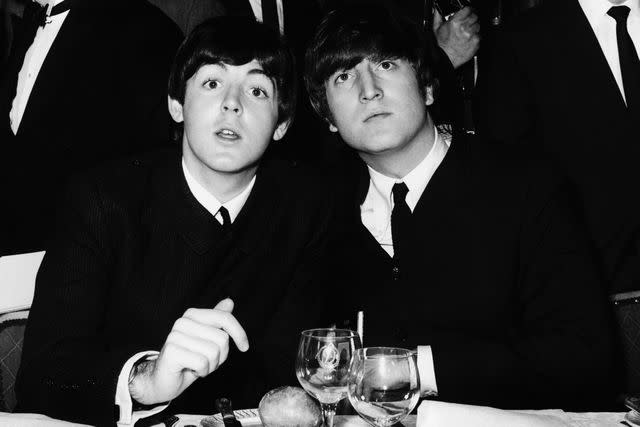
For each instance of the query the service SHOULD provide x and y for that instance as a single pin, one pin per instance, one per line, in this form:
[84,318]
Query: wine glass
[384,385]
[322,366]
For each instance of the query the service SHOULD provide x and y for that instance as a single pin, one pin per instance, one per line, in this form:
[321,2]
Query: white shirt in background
[33,60]
[604,27]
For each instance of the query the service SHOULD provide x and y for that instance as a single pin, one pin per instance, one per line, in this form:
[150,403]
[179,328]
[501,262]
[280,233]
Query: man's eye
[387,65]
[259,92]
[342,77]
[211,84]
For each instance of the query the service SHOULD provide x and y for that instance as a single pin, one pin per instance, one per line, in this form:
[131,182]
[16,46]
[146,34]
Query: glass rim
[402,352]
[344,333]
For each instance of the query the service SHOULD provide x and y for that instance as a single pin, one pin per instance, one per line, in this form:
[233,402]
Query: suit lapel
[596,77]
[44,96]
[199,229]
[255,220]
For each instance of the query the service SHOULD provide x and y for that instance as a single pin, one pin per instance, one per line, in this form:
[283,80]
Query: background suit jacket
[548,84]
[135,249]
[101,93]
[498,281]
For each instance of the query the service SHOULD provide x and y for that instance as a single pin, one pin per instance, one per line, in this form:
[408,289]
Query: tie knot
[619,13]
[399,192]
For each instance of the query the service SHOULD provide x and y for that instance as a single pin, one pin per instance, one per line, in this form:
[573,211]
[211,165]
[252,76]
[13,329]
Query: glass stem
[328,411]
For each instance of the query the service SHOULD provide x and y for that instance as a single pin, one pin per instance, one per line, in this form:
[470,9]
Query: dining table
[572,419]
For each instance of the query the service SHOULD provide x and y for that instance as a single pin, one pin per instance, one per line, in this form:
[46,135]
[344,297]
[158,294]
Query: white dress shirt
[33,60]
[604,27]
[376,210]
[212,205]
[256,5]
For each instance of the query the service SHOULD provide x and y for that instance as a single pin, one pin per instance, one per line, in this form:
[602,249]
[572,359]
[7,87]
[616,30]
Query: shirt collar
[209,201]
[417,179]
[597,9]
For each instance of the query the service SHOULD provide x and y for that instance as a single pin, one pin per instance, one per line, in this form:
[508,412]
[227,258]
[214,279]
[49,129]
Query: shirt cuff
[428,386]
[123,398]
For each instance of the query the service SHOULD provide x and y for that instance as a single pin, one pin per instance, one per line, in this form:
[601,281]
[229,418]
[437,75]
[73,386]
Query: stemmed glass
[322,366]
[384,385]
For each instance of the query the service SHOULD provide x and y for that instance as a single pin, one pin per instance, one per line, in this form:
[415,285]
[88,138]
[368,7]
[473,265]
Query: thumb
[225,305]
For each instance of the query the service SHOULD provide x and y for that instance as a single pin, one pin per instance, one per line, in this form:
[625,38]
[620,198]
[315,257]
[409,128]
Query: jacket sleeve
[67,371]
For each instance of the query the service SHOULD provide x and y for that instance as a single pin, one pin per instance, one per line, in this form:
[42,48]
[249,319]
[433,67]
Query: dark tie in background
[400,222]
[629,62]
[270,14]
[226,219]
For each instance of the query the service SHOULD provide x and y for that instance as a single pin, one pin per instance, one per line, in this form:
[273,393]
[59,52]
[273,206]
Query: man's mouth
[380,115]
[229,134]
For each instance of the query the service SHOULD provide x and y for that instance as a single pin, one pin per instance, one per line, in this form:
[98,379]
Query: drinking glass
[322,366]
[383,385]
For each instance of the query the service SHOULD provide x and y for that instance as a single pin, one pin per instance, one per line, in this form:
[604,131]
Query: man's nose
[369,87]
[231,102]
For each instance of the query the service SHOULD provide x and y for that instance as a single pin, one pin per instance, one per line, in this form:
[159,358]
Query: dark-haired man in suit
[160,261]
[466,251]
[565,78]
[85,83]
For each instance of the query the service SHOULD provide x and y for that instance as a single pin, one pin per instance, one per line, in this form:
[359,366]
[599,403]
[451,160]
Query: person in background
[85,83]
[565,78]
[160,262]
[467,251]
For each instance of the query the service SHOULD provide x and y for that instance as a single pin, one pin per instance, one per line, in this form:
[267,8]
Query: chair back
[627,312]
[17,283]
[12,326]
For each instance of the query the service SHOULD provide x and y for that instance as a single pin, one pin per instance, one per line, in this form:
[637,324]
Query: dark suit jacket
[134,250]
[101,93]
[548,84]
[498,282]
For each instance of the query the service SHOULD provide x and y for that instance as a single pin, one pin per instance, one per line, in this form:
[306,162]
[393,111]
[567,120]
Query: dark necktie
[629,62]
[400,221]
[270,14]
[226,219]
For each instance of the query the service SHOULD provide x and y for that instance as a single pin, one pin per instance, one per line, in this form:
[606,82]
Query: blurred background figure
[565,77]
[83,82]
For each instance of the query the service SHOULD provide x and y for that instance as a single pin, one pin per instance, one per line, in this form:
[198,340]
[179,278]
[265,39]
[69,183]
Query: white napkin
[33,420]
[442,414]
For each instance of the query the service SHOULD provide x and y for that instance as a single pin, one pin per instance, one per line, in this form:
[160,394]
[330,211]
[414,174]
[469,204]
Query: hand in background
[459,37]
[196,346]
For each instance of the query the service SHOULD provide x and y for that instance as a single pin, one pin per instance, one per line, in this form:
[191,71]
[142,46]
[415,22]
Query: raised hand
[459,36]
[196,346]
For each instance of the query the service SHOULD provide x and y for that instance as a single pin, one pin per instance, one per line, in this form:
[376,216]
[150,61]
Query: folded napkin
[442,414]
[33,420]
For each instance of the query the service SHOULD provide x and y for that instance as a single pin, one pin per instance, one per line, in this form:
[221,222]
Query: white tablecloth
[589,419]
[581,419]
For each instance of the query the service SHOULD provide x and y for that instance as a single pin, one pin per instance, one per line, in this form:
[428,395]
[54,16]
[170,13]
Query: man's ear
[175,109]
[281,130]
[428,95]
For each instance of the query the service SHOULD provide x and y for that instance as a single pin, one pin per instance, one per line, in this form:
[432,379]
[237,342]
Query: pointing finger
[225,305]
[223,320]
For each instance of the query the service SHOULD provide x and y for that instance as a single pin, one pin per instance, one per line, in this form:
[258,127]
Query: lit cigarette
[360,326]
